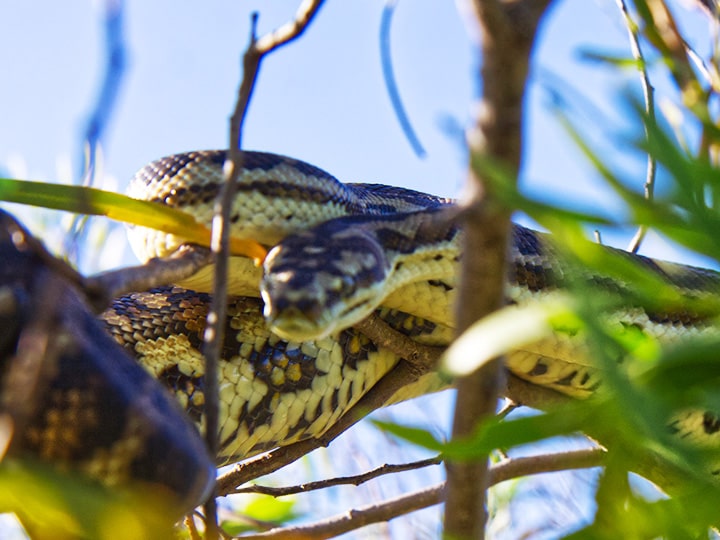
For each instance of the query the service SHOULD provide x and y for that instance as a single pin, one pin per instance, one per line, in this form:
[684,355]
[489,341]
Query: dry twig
[649,97]
[392,508]
[354,480]
[213,337]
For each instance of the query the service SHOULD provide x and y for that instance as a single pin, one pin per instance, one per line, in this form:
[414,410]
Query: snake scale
[292,362]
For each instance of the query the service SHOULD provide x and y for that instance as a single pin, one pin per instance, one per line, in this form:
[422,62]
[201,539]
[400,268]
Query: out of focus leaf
[86,200]
[55,505]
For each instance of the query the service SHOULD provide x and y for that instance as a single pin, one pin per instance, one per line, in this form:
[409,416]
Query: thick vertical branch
[507,33]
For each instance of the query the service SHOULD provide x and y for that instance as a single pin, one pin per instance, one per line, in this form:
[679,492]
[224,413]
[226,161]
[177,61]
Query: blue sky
[320,99]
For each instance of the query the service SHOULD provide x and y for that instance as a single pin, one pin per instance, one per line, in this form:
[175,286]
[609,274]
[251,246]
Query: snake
[292,362]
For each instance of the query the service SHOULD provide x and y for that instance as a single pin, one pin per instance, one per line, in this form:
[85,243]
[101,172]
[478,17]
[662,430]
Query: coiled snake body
[292,363]
[342,251]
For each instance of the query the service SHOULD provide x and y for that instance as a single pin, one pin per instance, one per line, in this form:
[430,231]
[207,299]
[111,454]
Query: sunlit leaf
[86,200]
[55,505]
[497,333]
[260,510]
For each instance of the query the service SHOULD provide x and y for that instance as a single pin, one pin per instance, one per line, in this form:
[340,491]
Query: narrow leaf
[498,333]
[86,200]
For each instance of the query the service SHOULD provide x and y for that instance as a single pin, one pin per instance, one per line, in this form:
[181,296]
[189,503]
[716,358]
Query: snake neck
[276,196]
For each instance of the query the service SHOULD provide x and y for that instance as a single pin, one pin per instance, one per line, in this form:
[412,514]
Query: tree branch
[392,508]
[508,31]
[101,288]
[649,97]
[213,337]
[354,480]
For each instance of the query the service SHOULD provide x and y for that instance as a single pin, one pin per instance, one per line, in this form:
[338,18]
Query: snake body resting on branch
[340,252]
[292,362]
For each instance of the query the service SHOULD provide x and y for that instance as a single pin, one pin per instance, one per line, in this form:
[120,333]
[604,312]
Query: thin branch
[189,523]
[532,395]
[291,30]
[649,123]
[423,358]
[507,31]
[357,518]
[103,287]
[391,83]
[213,337]
[545,463]
[354,480]
[392,508]
[256,52]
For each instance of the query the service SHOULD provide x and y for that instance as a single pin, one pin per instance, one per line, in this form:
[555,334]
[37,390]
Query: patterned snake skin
[292,363]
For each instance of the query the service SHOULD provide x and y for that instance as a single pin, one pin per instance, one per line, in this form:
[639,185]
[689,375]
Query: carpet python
[339,252]
[292,362]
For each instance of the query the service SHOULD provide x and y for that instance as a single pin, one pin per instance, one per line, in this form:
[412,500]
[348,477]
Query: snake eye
[343,286]
[349,285]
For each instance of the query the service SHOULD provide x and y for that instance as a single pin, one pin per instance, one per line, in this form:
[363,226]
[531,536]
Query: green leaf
[497,333]
[260,508]
[86,200]
[51,504]
[495,433]
[611,59]
[419,436]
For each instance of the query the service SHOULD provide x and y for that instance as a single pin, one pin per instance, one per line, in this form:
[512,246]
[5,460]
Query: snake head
[323,280]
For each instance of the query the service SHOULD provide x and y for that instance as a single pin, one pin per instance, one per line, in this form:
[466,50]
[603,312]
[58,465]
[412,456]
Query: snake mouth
[293,325]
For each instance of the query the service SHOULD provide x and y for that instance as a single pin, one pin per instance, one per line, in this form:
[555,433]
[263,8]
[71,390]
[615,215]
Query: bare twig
[391,83]
[649,97]
[213,337]
[508,32]
[392,508]
[544,463]
[532,395]
[421,357]
[189,523]
[357,518]
[256,52]
[354,480]
[101,288]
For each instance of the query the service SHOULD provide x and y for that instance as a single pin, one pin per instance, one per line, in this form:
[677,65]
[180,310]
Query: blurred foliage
[55,505]
[258,513]
[646,383]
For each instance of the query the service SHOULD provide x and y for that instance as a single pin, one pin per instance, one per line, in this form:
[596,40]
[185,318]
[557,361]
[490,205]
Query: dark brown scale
[356,348]
[398,319]
[567,380]
[178,382]
[281,357]
[711,423]
[534,277]
[681,318]
[538,369]
[440,284]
